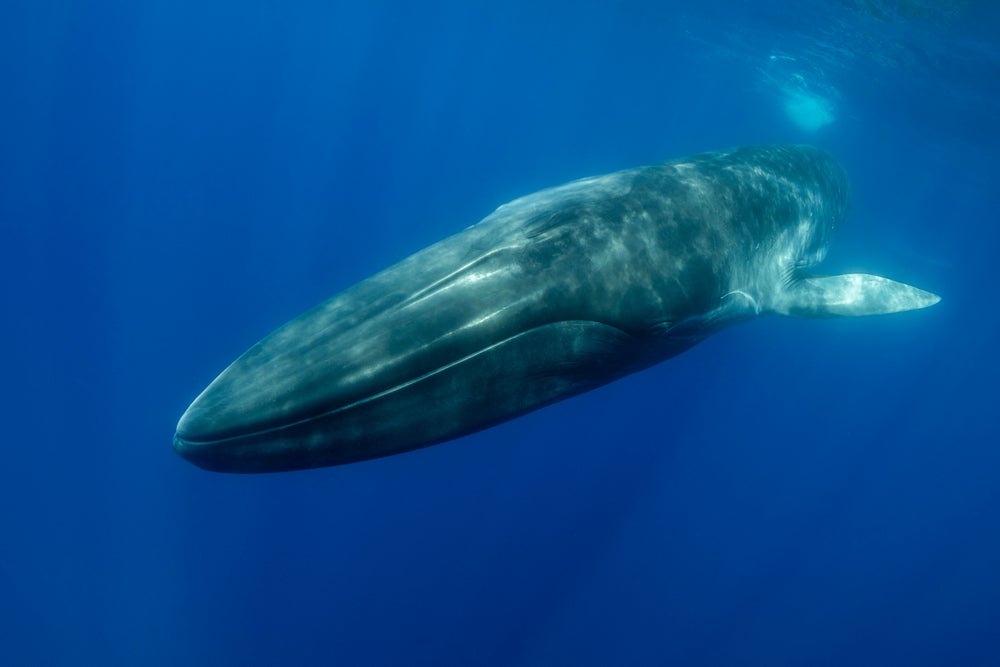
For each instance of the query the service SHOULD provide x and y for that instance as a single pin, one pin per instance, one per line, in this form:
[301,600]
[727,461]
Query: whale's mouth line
[195,442]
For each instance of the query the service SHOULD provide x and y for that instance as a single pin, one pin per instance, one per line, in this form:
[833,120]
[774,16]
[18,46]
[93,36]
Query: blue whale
[551,295]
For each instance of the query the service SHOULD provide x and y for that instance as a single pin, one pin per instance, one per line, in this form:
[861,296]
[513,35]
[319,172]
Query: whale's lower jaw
[525,372]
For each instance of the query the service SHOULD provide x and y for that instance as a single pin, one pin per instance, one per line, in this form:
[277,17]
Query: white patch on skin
[608,186]
[737,292]
[461,275]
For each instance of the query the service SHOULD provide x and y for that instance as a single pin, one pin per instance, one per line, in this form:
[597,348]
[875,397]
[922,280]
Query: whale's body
[553,294]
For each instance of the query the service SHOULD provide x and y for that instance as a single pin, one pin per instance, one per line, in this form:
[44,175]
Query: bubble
[808,110]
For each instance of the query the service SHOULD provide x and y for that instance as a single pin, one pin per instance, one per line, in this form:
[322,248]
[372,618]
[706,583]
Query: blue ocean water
[179,178]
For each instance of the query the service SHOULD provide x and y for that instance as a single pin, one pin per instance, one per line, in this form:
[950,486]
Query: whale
[552,295]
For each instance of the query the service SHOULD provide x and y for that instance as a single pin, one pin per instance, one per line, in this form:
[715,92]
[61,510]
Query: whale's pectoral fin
[850,295]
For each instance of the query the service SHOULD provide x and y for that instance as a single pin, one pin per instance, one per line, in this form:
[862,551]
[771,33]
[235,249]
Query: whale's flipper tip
[852,295]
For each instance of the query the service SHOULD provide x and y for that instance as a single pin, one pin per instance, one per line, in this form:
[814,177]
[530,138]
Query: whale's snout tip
[184,448]
[189,449]
[196,438]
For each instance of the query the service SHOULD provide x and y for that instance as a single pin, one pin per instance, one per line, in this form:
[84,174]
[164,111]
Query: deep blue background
[178,178]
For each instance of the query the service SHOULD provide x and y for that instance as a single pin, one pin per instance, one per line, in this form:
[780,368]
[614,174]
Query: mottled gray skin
[552,295]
